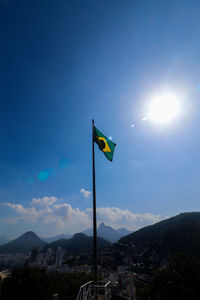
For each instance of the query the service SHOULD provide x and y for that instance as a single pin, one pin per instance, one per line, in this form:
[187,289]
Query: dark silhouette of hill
[177,234]
[108,233]
[78,243]
[22,244]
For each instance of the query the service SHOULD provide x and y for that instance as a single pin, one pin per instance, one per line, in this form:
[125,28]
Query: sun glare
[164,109]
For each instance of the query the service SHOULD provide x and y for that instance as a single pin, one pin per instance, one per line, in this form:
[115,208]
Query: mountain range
[177,234]
[106,232]
[29,240]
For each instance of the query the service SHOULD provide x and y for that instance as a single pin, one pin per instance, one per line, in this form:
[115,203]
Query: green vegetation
[180,280]
[79,243]
[36,284]
[177,234]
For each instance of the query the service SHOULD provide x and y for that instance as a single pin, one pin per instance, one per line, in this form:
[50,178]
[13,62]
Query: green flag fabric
[105,145]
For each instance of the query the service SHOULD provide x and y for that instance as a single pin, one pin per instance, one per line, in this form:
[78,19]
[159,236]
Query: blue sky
[63,63]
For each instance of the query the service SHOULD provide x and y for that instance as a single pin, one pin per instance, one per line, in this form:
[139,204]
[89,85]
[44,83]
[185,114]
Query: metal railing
[101,290]
[84,291]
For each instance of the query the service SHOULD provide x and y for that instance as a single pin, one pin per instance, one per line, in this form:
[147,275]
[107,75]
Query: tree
[36,284]
[180,280]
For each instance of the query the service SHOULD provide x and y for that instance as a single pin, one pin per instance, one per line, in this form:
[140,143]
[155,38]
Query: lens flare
[63,163]
[46,174]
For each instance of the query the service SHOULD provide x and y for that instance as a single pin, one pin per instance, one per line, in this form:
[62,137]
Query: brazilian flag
[105,145]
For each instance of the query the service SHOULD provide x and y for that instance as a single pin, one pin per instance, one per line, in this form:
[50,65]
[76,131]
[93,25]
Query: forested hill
[177,234]
[78,243]
[22,244]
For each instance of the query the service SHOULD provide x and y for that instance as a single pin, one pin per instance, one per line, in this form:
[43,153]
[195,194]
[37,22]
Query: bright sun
[163,109]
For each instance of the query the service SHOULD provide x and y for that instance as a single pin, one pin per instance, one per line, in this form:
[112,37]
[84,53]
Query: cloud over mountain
[58,216]
[117,217]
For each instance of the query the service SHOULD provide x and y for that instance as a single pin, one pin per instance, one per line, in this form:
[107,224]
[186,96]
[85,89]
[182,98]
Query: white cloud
[10,221]
[85,193]
[49,219]
[117,217]
[64,210]
[17,207]
[44,201]
[62,217]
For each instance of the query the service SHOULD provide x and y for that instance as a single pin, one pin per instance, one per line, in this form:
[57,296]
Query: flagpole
[94,213]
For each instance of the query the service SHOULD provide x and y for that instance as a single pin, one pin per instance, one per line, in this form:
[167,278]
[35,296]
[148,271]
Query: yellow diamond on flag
[103,144]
